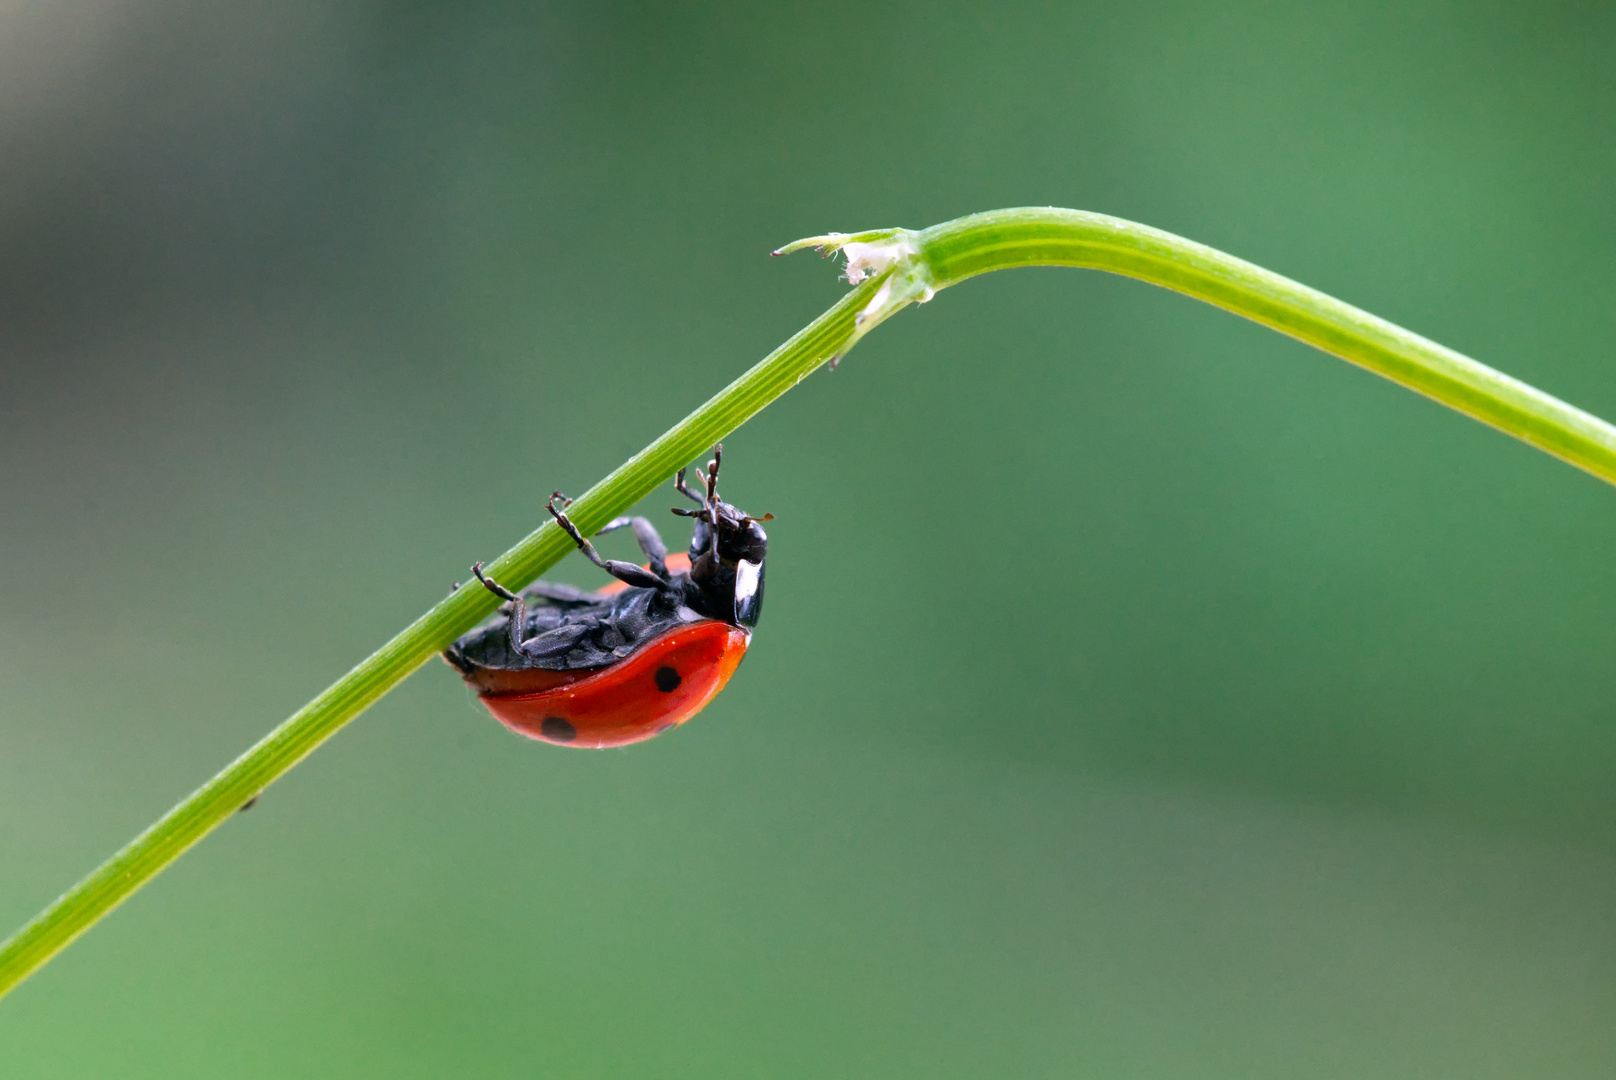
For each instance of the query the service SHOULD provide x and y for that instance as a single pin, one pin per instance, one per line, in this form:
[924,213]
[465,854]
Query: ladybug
[636,658]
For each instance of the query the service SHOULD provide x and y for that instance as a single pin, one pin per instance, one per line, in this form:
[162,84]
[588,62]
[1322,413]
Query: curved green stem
[1045,236]
[892,268]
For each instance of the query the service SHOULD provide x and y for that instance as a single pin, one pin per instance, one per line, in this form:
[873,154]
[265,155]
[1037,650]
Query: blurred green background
[1140,693]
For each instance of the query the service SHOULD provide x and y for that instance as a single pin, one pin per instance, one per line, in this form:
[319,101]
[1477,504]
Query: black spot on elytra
[557,730]
[667,680]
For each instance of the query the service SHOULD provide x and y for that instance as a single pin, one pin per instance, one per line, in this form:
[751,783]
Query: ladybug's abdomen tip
[659,687]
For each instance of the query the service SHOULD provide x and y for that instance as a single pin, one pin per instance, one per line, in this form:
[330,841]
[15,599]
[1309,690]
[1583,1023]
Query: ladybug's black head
[727,548]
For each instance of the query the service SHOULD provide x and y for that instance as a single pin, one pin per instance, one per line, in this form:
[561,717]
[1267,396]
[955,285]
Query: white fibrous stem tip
[867,260]
[890,252]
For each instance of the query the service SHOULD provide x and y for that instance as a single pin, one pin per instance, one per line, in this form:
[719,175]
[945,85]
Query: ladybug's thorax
[727,550]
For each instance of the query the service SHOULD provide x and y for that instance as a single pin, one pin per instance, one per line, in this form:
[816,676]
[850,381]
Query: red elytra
[660,686]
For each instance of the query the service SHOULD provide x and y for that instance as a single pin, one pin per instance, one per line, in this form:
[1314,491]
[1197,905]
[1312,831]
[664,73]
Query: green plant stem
[932,259]
[210,805]
[1046,236]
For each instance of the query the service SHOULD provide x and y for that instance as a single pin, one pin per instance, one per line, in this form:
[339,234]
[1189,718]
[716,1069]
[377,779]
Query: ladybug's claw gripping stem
[712,470]
[490,584]
[709,482]
[572,530]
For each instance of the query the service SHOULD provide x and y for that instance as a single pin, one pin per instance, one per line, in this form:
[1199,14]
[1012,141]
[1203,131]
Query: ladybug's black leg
[712,470]
[518,617]
[623,571]
[540,646]
[712,496]
[650,542]
[683,488]
[491,585]
[709,482]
